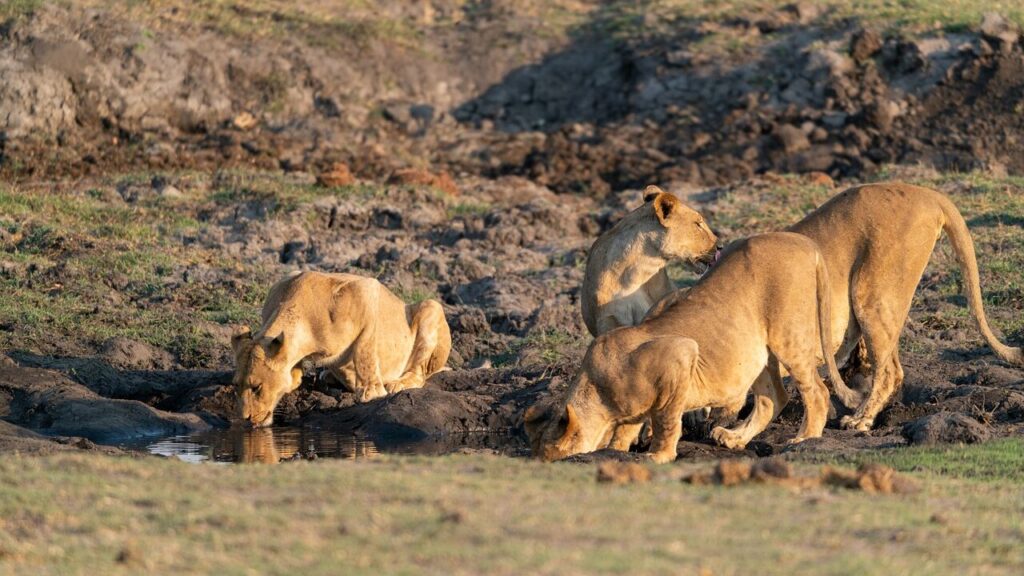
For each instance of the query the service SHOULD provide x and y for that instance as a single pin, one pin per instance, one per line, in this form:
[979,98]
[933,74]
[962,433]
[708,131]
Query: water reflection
[283,443]
[265,445]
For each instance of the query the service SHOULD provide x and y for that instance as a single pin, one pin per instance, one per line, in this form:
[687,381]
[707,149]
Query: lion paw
[728,438]
[663,457]
[856,423]
[371,393]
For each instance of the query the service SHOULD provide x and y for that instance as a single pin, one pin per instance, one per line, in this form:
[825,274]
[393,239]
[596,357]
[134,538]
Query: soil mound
[945,428]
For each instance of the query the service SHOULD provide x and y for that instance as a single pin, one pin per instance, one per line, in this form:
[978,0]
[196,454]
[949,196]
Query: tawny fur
[877,240]
[765,304]
[626,273]
[355,327]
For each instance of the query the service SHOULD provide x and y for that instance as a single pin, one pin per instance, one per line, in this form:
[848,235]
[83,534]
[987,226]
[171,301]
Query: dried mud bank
[610,99]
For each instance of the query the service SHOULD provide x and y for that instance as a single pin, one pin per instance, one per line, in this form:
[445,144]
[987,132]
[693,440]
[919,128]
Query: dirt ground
[161,169]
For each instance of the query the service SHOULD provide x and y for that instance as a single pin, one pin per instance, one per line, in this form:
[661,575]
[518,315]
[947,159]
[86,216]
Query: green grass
[84,514]
[277,192]
[413,295]
[12,9]
[332,24]
[104,269]
[999,461]
[626,19]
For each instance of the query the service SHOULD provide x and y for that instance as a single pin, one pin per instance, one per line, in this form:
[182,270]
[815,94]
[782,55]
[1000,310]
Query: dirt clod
[622,472]
[418,177]
[336,176]
[870,478]
[866,43]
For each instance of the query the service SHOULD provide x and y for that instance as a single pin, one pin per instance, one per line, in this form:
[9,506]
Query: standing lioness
[366,336]
[877,240]
[765,303]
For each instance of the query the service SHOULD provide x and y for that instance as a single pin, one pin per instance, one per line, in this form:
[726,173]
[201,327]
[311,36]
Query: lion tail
[848,397]
[955,227]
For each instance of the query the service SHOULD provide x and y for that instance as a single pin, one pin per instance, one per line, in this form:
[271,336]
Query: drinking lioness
[765,304]
[353,326]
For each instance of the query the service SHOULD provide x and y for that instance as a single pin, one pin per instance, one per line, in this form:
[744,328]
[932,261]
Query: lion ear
[275,345]
[664,205]
[572,421]
[239,336]
[651,192]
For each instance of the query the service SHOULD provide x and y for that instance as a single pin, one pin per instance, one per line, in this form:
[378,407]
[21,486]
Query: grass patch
[630,19]
[83,270]
[413,295]
[476,514]
[13,9]
[996,461]
[339,23]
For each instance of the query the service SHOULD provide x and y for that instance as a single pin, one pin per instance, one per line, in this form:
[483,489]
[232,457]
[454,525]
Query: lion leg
[769,399]
[367,382]
[668,429]
[886,380]
[815,396]
[431,341]
[625,436]
[345,374]
[881,302]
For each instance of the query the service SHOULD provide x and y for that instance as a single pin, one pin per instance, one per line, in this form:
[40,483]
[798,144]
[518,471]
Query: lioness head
[261,376]
[685,236]
[554,432]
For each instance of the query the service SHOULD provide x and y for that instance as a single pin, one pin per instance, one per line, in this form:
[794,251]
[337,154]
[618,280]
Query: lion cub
[353,326]
[765,303]
[626,274]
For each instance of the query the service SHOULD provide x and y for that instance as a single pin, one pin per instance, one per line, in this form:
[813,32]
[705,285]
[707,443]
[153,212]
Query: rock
[945,427]
[336,176]
[244,121]
[865,43]
[999,32]
[170,191]
[791,138]
[398,112]
[881,114]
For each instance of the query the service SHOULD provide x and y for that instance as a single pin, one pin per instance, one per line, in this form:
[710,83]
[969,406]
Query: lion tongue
[718,254]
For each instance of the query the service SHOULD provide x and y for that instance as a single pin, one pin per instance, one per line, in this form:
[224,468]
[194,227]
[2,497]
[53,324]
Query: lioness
[355,327]
[877,239]
[626,274]
[765,303]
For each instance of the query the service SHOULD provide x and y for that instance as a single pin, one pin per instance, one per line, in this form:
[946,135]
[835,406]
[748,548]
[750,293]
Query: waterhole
[285,443]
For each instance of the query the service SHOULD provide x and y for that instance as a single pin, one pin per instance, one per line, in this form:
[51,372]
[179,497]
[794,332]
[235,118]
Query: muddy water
[284,443]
